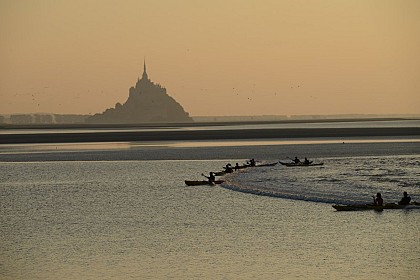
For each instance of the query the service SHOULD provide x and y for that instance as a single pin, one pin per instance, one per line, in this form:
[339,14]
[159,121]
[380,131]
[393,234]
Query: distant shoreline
[199,135]
[196,124]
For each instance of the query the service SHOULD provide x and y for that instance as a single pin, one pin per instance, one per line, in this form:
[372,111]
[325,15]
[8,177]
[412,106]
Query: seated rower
[211,177]
[237,166]
[251,162]
[405,200]
[306,161]
[296,160]
[378,200]
[228,168]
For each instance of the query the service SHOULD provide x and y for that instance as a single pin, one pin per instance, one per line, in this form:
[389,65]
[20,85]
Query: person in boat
[252,162]
[228,168]
[296,160]
[211,177]
[307,161]
[405,200]
[237,166]
[378,200]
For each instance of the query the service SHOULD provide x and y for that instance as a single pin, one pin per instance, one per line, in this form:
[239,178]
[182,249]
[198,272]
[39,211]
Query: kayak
[202,183]
[300,164]
[267,164]
[361,207]
[220,173]
[241,166]
[224,172]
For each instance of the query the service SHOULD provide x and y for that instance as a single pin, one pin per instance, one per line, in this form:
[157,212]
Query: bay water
[110,216]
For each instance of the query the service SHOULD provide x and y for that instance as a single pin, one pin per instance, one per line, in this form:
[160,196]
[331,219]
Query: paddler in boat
[378,200]
[296,160]
[211,177]
[405,200]
[228,168]
[237,166]
[252,162]
[306,161]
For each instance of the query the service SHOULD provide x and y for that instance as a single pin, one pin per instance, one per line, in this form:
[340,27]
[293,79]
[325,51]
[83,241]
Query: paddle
[208,177]
[212,182]
[290,158]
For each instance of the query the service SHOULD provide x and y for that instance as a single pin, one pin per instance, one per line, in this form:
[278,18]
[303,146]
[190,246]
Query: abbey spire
[145,77]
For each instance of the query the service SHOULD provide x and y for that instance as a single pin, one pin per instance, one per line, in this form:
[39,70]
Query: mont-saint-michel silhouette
[147,103]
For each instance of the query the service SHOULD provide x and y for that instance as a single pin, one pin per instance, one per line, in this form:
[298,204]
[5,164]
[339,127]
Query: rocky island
[147,103]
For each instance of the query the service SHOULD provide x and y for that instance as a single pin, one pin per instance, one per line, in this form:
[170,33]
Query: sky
[229,57]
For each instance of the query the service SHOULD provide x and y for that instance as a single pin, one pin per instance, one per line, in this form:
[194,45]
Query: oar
[291,159]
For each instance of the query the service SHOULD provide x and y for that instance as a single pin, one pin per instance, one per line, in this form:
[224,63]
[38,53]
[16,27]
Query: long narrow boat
[226,171]
[241,166]
[361,207]
[300,164]
[202,183]
[267,164]
[220,173]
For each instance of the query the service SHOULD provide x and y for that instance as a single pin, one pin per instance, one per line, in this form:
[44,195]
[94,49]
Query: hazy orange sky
[214,57]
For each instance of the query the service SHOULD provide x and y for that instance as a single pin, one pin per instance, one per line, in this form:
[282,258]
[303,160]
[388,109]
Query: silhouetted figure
[228,168]
[405,200]
[296,160]
[211,177]
[307,161]
[237,166]
[378,201]
[252,162]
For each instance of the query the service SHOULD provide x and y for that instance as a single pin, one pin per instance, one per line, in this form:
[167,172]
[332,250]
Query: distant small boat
[241,166]
[226,171]
[220,173]
[361,207]
[292,164]
[202,183]
[267,164]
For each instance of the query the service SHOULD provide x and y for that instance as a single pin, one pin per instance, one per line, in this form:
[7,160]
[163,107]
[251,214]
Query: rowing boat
[361,207]
[202,183]
[291,164]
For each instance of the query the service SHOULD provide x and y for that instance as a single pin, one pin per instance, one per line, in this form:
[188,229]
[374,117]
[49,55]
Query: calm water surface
[120,219]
